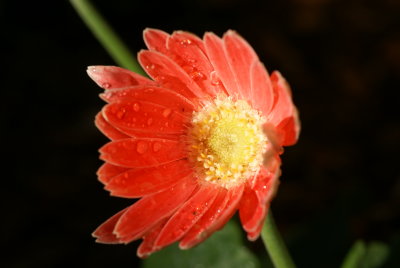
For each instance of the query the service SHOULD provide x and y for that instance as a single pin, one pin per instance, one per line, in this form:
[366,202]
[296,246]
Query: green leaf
[361,255]
[224,249]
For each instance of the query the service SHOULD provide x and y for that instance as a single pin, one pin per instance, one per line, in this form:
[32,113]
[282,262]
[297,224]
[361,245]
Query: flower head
[196,143]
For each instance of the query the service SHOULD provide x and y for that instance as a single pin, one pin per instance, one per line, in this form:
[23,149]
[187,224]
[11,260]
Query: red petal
[169,74]
[111,77]
[186,216]
[108,130]
[107,171]
[147,246]
[218,58]
[184,49]
[142,152]
[261,88]
[266,184]
[135,117]
[284,114]
[215,218]
[240,56]
[161,96]
[155,40]
[139,182]
[149,210]
[251,211]
[252,236]
[193,236]
[104,233]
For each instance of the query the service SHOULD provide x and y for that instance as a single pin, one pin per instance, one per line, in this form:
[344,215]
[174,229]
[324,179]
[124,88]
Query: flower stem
[106,35]
[274,244]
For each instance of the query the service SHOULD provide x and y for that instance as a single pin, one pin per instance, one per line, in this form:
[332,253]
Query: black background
[339,183]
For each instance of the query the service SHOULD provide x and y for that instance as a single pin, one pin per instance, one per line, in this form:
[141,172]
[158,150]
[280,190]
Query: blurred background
[340,183]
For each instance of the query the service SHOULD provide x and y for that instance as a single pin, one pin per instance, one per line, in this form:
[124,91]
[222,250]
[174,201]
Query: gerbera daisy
[196,143]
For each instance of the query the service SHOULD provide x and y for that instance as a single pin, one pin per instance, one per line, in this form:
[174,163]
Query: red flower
[198,142]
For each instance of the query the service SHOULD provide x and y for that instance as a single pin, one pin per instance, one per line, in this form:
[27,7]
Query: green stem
[274,244]
[106,36]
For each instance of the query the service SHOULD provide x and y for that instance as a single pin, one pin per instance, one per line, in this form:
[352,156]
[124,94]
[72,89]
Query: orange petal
[158,95]
[155,39]
[107,171]
[108,130]
[142,152]
[147,246]
[187,51]
[148,211]
[215,218]
[186,216]
[135,183]
[135,117]
[284,114]
[170,75]
[261,88]
[219,60]
[111,77]
[252,236]
[251,211]
[104,233]
[240,56]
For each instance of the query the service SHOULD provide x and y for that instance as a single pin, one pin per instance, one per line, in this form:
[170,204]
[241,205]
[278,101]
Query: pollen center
[227,142]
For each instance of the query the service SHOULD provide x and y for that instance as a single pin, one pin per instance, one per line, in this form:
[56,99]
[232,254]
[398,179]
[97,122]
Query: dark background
[339,183]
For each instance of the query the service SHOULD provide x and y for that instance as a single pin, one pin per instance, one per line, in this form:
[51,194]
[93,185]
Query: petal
[184,49]
[108,130]
[284,114]
[135,183]
[240,57]
[111,77]
[193,236]
[157,95]
[252,236]
[215,218]
[261,88]
[135,117]
[104,233]
[266,184]
[169,74]
[251,210]
[156,40]
[142,152]
[148,211]
[218,58]
[107,171]
[147,246]
[186,216]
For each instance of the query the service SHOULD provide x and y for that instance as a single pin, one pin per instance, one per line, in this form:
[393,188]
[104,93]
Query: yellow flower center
[226,141]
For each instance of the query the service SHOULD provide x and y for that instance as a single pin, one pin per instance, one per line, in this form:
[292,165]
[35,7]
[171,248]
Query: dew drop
[121,113]
[149,121]
[141,147]
[106,85]
[196,75]
[186,42]
[136,107]
[151,66]
[166,112]
[156,146]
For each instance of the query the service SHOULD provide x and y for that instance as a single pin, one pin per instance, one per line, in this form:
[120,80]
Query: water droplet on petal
[141,147]
[156,146]
[149,121]
[121,113]
[106,85]
[197,75]
[136,107]
[151,66]
[186,42]
[166,112]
